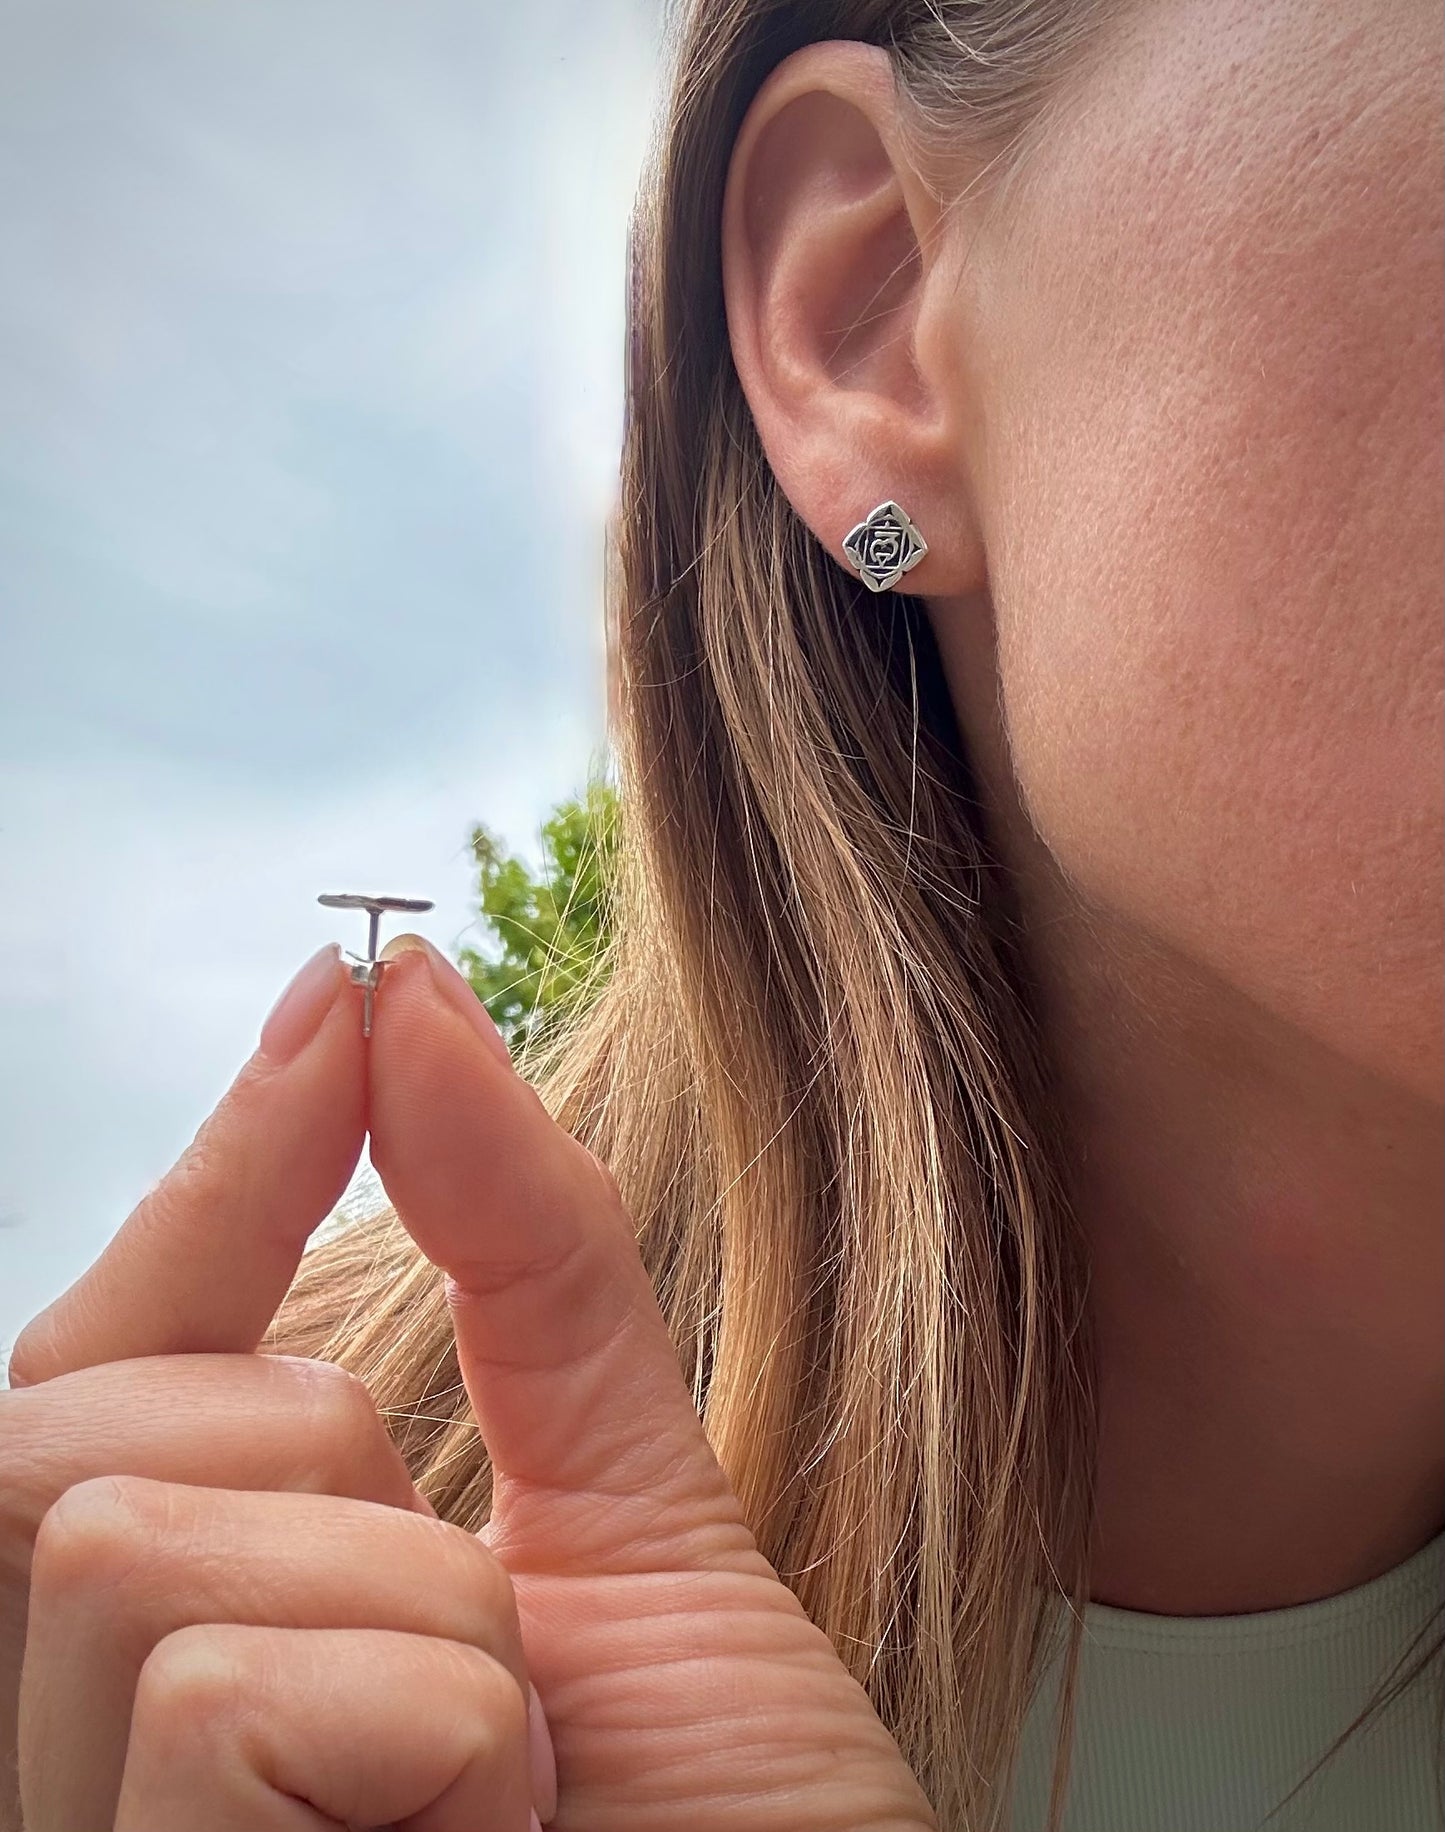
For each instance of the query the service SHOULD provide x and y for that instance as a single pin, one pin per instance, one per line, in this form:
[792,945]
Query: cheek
[1216,569]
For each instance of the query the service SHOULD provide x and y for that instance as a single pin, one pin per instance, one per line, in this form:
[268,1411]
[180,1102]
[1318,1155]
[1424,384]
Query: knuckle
[34,1354]
[340,1403]
[207,1179]
[195,1682]
[497,1705]
[478,1575]
[602,1172]
[99,1533]
[195,1186]
[204,1175]
[334,1438]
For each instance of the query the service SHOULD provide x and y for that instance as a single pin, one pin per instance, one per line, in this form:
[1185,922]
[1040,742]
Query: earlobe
[825,228]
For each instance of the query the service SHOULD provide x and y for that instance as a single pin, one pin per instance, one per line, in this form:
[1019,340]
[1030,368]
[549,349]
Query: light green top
[1203,1723]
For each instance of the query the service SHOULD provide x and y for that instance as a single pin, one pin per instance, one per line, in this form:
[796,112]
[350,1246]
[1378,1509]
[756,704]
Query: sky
[311,322]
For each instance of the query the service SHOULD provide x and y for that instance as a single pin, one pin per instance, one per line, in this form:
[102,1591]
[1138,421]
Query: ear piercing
[367,972]
[884,546]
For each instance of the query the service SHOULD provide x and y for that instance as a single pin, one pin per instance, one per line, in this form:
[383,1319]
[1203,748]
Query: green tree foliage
[545,955]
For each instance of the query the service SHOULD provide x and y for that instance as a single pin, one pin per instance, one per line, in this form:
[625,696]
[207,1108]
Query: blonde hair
[812,1064]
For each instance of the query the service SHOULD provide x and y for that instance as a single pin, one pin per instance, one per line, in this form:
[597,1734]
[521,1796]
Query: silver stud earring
[368,972]
[884,547]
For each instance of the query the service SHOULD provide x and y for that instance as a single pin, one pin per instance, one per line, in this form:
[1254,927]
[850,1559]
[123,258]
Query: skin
[1167,408]
[223,1604]
[1184,562]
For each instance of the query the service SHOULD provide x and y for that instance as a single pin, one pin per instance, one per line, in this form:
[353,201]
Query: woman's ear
[840,310]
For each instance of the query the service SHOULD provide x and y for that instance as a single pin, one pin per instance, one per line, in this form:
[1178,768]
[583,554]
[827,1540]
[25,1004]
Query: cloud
[311,350]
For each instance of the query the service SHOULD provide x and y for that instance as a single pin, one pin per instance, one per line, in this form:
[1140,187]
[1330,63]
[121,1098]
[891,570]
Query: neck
[1263,1218]
[1264,1228]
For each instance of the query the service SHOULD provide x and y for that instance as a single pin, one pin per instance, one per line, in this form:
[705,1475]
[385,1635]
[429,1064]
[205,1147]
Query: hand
[685,1686]
[239,1602]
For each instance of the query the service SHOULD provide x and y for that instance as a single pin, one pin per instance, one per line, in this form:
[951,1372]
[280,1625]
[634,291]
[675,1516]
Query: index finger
[205,1258]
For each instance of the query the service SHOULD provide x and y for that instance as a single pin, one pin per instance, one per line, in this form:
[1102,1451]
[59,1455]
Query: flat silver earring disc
[352,900]
[884,546]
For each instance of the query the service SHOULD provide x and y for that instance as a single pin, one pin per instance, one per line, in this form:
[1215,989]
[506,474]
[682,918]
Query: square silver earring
[884,546]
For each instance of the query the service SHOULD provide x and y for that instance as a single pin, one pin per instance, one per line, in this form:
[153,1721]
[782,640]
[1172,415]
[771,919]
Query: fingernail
[544,1760]
[296,1016]
[453,988]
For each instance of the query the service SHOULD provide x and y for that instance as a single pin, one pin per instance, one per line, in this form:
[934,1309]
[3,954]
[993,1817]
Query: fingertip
[451,988]
[301,1010]
[408,942]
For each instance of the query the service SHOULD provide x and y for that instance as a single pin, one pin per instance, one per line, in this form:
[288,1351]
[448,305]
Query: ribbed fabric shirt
[1204,1723]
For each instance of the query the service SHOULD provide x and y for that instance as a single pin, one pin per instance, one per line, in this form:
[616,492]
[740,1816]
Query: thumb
[566,1356]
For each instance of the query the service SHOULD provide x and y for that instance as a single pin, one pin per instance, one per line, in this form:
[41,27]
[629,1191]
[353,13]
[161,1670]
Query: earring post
[367,973]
